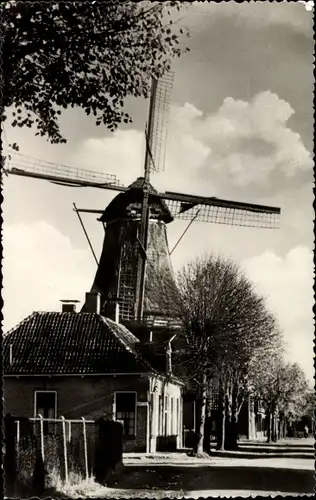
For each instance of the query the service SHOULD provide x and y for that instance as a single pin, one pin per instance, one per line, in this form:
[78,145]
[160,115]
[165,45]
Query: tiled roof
[71,343]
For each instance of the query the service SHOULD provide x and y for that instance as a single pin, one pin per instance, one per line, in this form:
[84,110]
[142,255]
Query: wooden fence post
[69,430]
[65,447]
[17,435]
[42,436]
[85,446]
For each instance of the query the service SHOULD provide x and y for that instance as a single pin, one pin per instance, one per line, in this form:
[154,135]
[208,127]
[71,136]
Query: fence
[60,440]
[37,446]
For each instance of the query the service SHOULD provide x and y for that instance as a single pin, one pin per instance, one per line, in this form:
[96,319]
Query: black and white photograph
[157,234]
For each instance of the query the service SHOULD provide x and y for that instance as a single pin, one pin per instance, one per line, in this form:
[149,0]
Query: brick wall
[90,397]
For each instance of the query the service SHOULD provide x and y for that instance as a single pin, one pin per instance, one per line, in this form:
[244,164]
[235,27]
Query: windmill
[135,269]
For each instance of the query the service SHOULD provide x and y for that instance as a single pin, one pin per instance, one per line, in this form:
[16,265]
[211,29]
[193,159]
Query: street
[284,468]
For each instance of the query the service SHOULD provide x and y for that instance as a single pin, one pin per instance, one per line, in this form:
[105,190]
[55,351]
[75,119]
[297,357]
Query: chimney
[93,302]
[68,305]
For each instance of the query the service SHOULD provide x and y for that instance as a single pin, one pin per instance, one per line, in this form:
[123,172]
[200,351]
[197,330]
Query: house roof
[71,343]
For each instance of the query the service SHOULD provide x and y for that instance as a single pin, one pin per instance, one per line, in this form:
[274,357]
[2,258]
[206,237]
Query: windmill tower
[135,270]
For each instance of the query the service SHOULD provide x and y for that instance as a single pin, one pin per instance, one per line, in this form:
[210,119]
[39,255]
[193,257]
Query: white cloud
[244,142]
[253,14]
[249,140]
[122,154]
[41,267]
[287,284]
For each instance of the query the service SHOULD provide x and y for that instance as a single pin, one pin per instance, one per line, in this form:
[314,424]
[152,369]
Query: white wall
[169,421]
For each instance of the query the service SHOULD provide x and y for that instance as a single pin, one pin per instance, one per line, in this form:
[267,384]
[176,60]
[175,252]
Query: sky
[241,121]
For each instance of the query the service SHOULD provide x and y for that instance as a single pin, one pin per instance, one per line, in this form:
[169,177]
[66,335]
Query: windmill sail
[160,121]
[158,111]
[26,166]
[219,211]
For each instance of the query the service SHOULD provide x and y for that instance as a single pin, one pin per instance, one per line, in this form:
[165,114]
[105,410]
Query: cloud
[248,141]
[40,268]
[254,15]
[122,154]
[244,143]
[287,284]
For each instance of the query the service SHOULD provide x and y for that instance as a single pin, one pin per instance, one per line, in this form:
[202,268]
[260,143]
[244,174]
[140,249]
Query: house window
[166,417]
[160,425]
[125,403]
[46,405]
[172,415]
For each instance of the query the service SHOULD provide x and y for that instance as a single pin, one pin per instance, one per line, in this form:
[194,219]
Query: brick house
[82,364]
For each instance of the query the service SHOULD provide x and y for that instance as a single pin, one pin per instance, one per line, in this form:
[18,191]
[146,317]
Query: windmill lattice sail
[19,164]
[224,213]
[160,126]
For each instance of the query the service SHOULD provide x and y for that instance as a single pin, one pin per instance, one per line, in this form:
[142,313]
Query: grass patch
[76,486]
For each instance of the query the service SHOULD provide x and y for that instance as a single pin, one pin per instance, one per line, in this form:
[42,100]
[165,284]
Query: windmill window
[125,408]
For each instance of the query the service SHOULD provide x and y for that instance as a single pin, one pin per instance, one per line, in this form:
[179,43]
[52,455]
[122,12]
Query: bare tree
[224,323]
[282,388]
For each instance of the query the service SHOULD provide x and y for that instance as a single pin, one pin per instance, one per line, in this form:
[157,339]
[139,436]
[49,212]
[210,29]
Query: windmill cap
[141,183]
[125,205]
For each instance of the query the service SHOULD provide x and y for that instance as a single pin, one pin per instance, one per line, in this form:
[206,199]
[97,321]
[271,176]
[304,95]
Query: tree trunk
[269,426]
[207,428]
[281,425]
[274,425]
[221,421]
[228,426]
[232,438]
[234,431]
[199,448]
